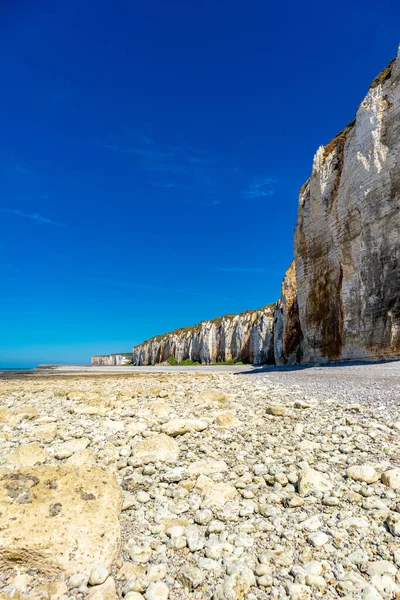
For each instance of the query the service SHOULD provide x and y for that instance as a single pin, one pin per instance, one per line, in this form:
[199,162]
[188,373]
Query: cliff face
[111,360]
[287,332]
[246,337]
[341,295]
[347,238]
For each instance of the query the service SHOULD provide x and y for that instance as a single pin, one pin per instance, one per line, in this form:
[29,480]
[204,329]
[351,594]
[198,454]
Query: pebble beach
[266,483]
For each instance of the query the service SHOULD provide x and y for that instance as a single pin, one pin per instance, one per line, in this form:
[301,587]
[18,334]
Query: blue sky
[151,155]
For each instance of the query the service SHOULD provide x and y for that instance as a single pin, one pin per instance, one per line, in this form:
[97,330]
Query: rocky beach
[257,484]
[150,165]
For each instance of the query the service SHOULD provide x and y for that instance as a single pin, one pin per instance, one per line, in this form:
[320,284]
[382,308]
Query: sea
[16,369]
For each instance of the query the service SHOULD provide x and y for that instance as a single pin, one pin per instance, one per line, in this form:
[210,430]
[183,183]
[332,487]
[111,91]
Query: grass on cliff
[227,362]
[339,139]
[383,76]
[190,363]
[184,363]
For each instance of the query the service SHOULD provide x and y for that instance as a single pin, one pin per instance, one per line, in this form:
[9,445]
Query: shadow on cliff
[306,367]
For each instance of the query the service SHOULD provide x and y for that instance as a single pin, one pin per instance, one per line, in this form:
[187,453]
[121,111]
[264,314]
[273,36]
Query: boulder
[160,447]
[27,412]
[28,455]
[218,494]
[182,426]
[67,449]
[105,591]
[364,473]
[212,396]
[311,480]
[391,478]
[46,432]
[59,519]
[207,467]
[82,457]
[226,419]
[393,523]
[277,410]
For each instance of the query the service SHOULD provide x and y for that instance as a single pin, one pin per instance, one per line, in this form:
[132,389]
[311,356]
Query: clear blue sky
[151,154]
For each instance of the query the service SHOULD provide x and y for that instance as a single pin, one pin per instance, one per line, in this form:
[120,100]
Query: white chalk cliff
[246,337]
[341,295]
[111,360]
[347,238]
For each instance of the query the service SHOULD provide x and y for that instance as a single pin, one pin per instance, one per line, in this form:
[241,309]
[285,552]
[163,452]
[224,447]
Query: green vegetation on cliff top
[383,76]
[184,363]
[339,139]
[190,363]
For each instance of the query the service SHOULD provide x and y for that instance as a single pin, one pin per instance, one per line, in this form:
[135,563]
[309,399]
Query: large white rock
[391,478]
[160,447]
[227,419]
[46,432]
[364,473]
[82,457]
[133,428]
[207,467]
[59,518]
[393,522]
[311,480]
[28,455]
[67,449]
[182,426]
[105,591]
[236,585]
[218,494]
[157,590]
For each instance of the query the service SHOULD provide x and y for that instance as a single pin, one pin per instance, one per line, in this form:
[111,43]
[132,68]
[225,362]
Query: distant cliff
[112,360]
[245,337]
[340,297]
